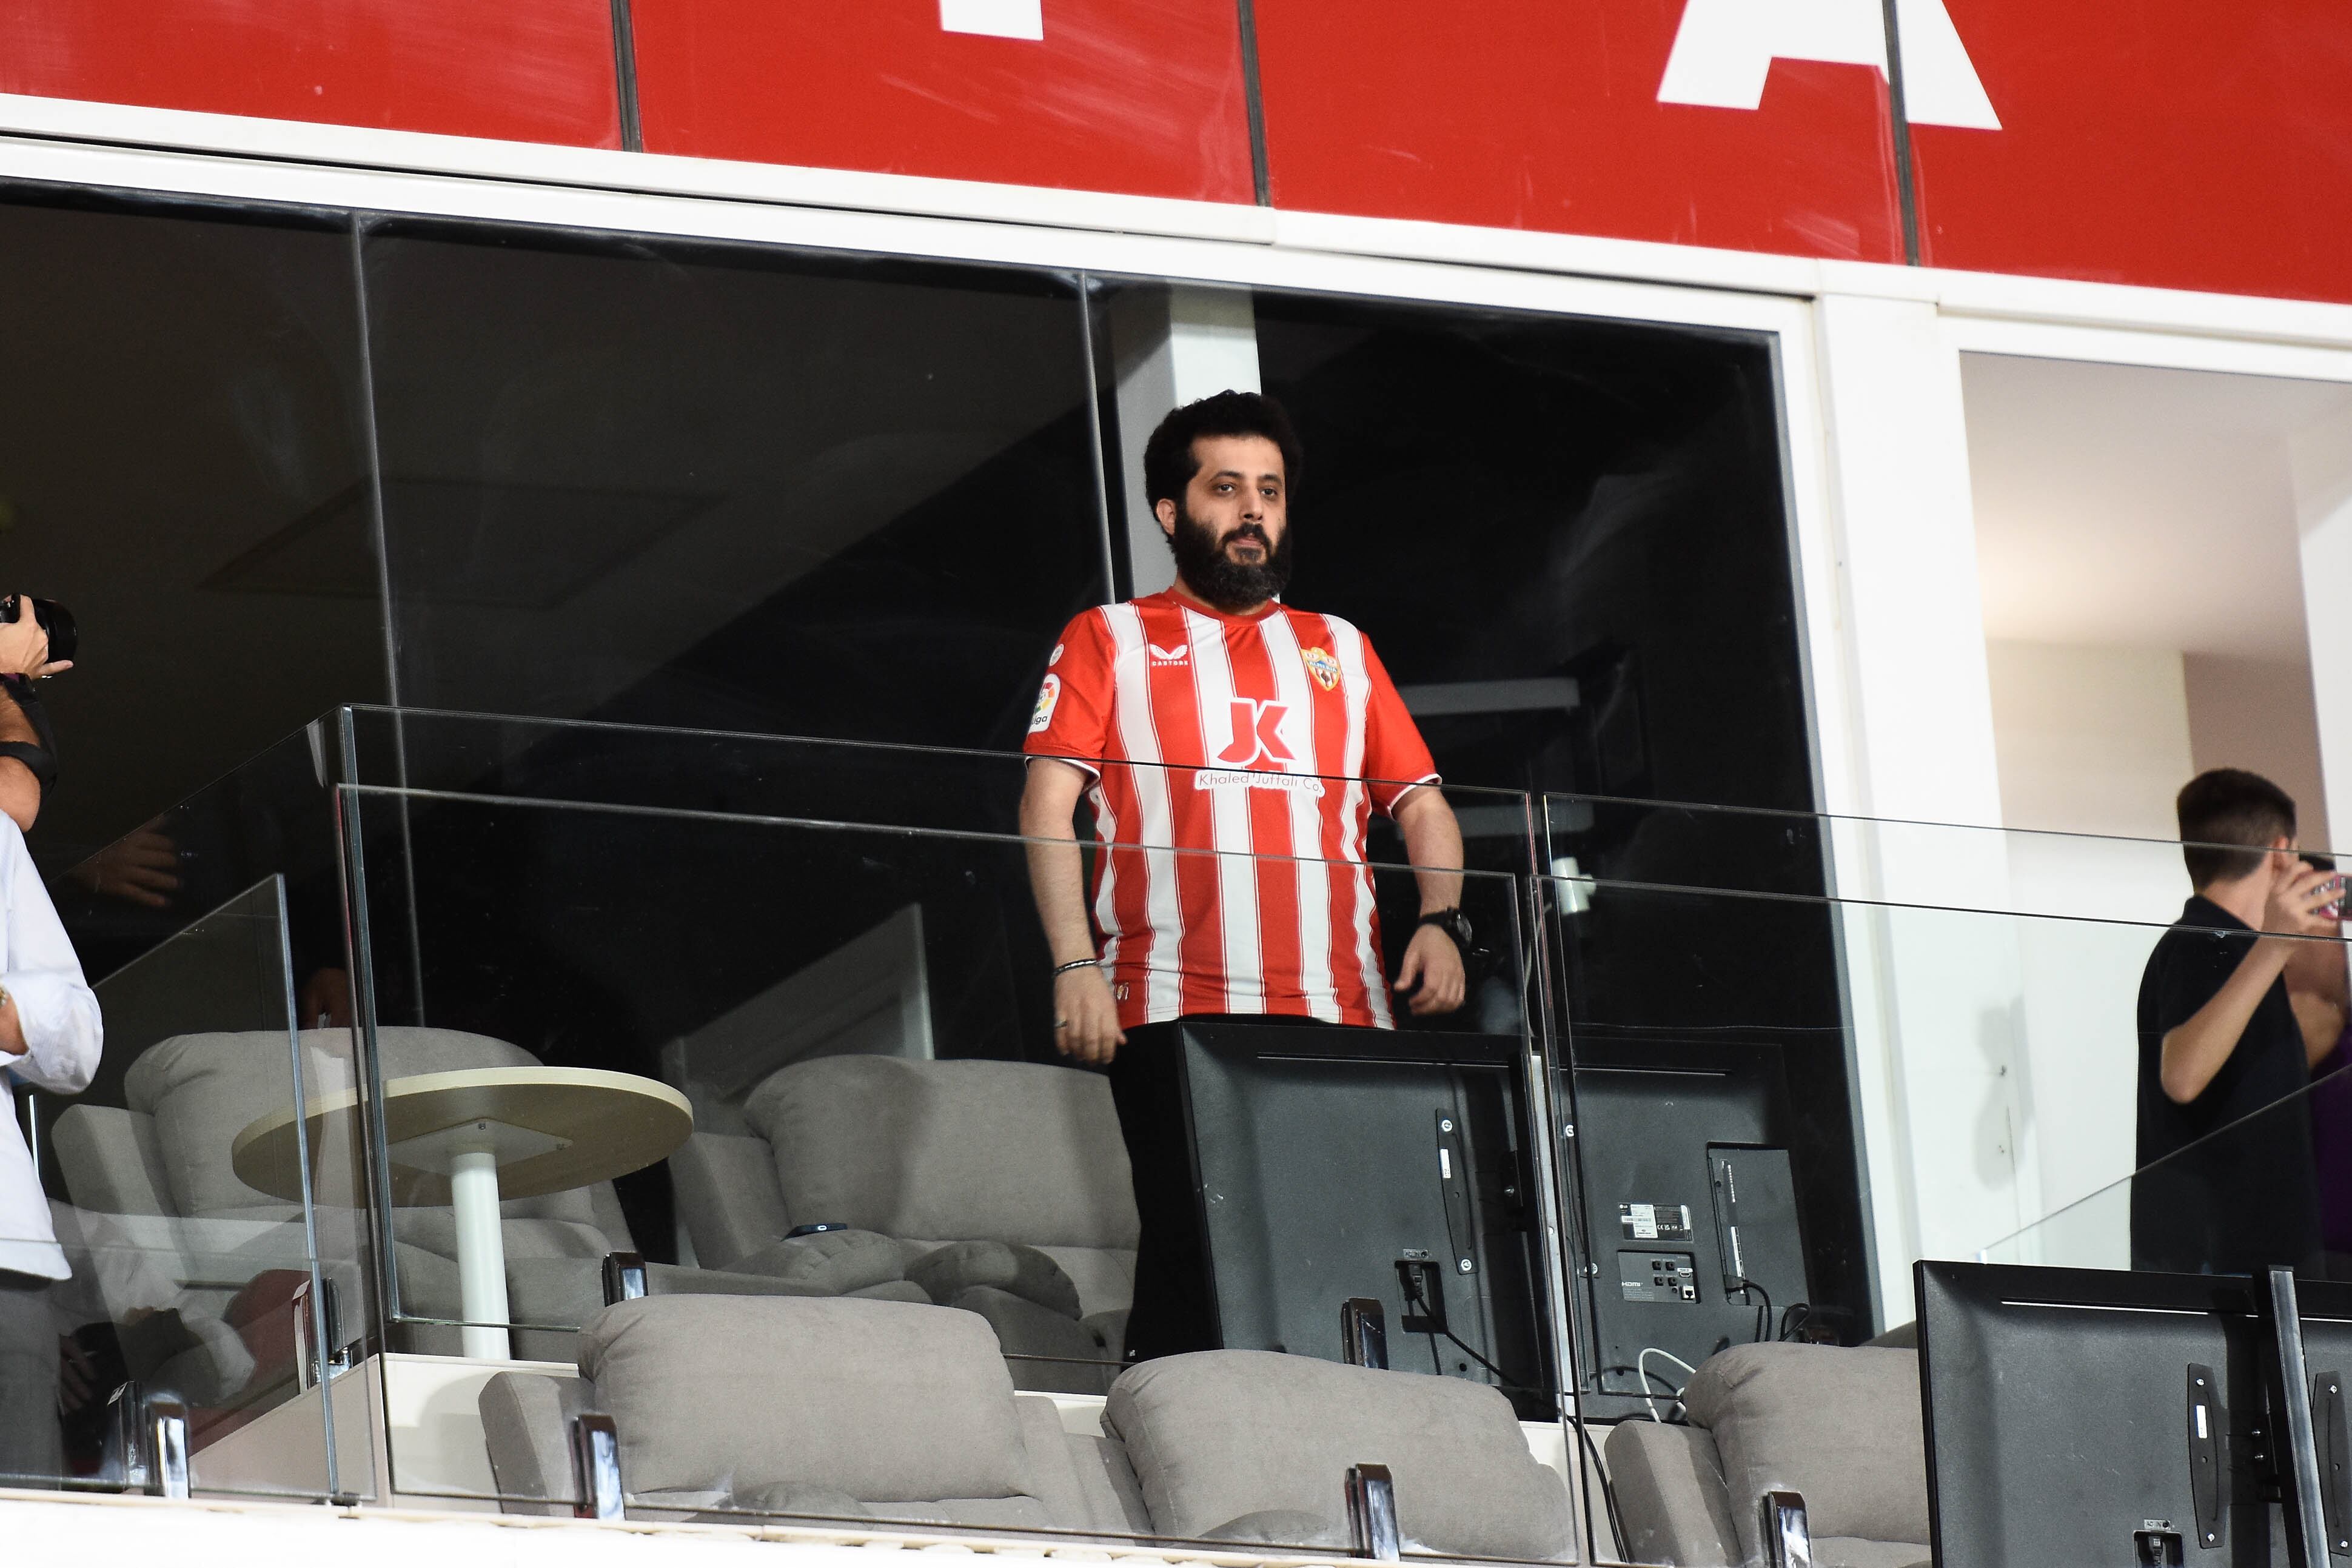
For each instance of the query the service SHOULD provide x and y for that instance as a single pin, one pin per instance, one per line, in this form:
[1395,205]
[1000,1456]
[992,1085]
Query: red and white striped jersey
[1275,736]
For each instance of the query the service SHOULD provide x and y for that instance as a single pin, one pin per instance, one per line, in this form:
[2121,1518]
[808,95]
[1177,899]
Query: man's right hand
[2297,898]
[1086,1018]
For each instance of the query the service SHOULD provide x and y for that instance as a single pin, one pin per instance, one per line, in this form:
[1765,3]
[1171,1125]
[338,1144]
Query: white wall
[1933,995]
[2320,460]
[2259,714]
[2090,741]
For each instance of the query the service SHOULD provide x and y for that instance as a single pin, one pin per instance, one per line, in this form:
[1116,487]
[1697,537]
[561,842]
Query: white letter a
[1724,48]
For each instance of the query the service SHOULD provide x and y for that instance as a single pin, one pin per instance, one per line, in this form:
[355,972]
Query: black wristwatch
[1454,923]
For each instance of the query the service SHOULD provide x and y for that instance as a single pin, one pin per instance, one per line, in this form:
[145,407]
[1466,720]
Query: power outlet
[1423,1283]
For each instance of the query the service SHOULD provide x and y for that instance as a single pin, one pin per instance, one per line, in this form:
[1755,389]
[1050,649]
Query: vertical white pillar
[1935,996]
[1170,347]
[2322,465]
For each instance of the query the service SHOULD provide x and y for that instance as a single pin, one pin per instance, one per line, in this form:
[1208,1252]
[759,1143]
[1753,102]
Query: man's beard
[1230,585]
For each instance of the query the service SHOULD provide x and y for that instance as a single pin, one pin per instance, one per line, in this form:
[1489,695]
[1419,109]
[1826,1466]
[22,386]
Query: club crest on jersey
[1322,666]
[1047,696]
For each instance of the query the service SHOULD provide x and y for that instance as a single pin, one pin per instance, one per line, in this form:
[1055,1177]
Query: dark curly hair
[1168,463]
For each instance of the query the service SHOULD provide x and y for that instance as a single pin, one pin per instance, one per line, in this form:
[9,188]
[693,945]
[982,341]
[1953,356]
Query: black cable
[1608,1488]
[1500,1374]
[1436,1361]
[1764,1312]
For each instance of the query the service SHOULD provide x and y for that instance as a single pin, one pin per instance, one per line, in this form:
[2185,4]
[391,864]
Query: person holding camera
[2221,1041]
[27,746]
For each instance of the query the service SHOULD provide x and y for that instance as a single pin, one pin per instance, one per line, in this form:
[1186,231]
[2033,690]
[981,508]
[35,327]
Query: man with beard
[1233,749]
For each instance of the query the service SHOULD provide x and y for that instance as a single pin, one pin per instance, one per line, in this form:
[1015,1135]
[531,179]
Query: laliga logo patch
[1323,667]
[1047,695]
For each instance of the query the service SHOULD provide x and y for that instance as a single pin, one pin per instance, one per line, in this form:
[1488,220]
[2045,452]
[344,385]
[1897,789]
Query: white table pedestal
[470,1154]
[481,1252]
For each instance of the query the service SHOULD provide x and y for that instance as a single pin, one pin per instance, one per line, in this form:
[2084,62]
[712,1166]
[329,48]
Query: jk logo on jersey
[1256,729]
[1256,754]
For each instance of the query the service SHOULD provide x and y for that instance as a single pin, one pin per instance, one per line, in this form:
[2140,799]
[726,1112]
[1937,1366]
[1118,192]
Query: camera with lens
[53,619]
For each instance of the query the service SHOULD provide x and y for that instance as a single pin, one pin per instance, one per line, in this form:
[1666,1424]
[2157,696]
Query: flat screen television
[1336,1164]
[2077,1417]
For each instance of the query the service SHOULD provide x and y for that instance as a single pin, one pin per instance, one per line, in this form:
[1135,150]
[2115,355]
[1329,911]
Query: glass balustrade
[1717,1075]
[214,1283]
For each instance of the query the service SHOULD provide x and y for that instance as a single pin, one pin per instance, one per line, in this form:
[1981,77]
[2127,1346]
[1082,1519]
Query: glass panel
[196,1278]
[799,1024]
[183,464]
[272,816]
[1590,516]
[2269,1183]
[2005,965]
[738,487]
[1711,1149]
[1706,1064]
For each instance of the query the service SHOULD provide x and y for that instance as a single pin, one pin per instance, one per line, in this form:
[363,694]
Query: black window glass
[184,463]
[1569,538]
[743,488]
[1505,497]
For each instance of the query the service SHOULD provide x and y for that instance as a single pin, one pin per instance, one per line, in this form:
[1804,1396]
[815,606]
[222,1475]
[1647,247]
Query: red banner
[1138,96]
[521,71]
[2166,142]
[1545,115]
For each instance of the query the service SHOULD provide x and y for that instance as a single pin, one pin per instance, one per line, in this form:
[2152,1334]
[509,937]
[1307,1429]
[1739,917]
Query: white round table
[472,1138]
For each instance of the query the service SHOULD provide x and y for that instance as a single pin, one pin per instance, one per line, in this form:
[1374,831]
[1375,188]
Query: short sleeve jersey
[2217,1192]
[1236,762]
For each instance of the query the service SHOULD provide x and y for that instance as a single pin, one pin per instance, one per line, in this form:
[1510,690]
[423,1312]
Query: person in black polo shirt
[2219,1041]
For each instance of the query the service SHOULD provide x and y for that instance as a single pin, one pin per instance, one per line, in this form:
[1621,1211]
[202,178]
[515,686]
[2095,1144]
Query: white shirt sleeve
[63,1033]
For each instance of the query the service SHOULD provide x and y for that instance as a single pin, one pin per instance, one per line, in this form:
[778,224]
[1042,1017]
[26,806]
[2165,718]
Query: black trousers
[1175,1306]
[32,1450]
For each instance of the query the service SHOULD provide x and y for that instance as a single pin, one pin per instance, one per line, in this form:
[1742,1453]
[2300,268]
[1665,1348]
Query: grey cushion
[886,1402]
[527,1426]
[894,1291]
[952,1149]
[435,1230]
[1671,1497]
[1842,1427]
[792,1498]
[727,1192]
[1222,1434]
[1023,1271]
[1084,1481]
[1105,1275]
[831,1262]
[111,1160]
[1280,1527]
[984,1514]
[1068,1358]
